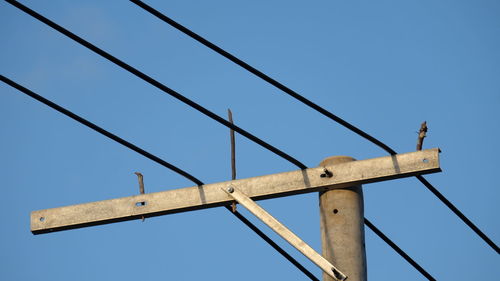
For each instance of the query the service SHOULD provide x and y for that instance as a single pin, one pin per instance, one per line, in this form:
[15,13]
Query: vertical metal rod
[247,222]
[233,146]
[233,153]
[342,229]
[140,177]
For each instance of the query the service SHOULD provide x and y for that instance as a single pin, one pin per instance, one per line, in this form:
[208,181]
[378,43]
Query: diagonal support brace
[285,233]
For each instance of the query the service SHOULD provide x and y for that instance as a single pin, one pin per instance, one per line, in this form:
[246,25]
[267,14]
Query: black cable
[157,160]
[314,106]
[399,251]
[458,213]
[223,121]
[261,75]
[198,182]
[99,129]
[274,245]
[155,83]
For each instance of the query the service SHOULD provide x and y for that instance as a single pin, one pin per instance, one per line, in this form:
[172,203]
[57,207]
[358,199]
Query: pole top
[332,160]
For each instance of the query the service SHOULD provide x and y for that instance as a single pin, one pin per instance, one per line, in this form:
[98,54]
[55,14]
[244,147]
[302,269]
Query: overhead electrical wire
[398,250]
[157,160]
[316,107]
[135,148]
[99,129]
[155,83]
[458,213]
[261,75]
[274,245]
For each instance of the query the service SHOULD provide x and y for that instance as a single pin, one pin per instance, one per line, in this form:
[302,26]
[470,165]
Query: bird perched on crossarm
[421,135]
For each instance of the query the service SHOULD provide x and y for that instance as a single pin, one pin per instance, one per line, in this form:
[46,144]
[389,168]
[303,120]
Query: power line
[155,83]
[274,245]
[179,171]
[261,75]
[458,213]
[159,161]
[314,106]
[398,250]
[100,130]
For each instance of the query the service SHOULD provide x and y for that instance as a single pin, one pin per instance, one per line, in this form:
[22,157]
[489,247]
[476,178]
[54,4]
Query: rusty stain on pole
[342,229]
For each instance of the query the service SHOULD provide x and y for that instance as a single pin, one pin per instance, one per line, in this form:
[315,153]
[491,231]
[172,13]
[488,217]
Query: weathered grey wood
[285,233]
[342,227]
[257,188]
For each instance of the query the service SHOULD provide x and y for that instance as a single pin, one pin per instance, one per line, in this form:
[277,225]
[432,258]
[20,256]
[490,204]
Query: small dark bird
[421,135]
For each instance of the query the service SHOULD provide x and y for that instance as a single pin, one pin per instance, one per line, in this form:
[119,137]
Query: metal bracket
[285,233]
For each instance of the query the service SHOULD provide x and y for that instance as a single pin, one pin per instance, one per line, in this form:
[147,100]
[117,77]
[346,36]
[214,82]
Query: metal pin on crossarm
[140,177]
[233,153]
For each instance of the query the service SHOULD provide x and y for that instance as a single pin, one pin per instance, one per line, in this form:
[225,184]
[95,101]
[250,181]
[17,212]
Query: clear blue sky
[384,66]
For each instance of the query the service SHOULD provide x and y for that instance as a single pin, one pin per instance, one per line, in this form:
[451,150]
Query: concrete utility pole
[342,228]
[338,180]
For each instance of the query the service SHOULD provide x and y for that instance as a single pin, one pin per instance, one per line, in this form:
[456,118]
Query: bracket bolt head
[230,189]
[326,174]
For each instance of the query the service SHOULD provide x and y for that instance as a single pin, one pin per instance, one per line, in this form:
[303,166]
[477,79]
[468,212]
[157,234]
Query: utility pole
[342,227]
[338,179]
